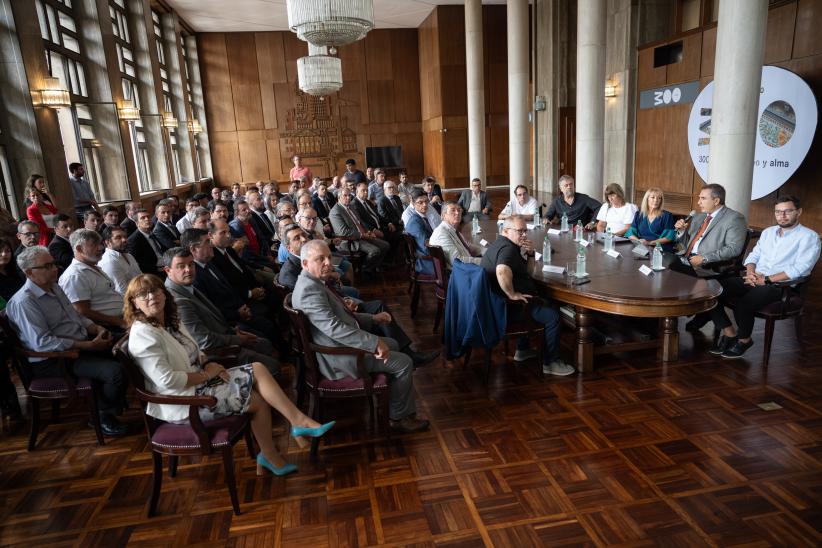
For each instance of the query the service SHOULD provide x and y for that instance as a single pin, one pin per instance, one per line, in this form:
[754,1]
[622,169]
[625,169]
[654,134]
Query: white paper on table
[554,231]
[484,242]
[530,226]
[645,270]
[553,269]
[583,242]
[537,256]
[614,253]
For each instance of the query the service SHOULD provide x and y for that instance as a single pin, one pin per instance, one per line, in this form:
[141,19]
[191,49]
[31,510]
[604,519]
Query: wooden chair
[293,341]
[416,279]
[441,282]
[371,386]
[354,257]
[55,389]
[194,438]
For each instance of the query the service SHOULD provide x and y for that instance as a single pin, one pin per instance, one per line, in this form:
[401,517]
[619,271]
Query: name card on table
[583,242]
[530,226]
[554,231]
[640,250]
[484,242]
[537,256]
[553,269]
[645,270]
[614,253]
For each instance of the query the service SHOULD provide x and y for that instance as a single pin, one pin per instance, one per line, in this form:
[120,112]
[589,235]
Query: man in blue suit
[419,227]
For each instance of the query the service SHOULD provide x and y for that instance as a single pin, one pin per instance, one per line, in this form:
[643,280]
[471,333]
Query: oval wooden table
[616,287]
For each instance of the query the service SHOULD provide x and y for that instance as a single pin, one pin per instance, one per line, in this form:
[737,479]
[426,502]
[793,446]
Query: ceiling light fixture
[319,74]
[330,22]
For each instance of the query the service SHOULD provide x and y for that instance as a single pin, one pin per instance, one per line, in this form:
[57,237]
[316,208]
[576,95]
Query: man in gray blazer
[345,223]
[453,244]
[479,198]
[203,320]
[334,324]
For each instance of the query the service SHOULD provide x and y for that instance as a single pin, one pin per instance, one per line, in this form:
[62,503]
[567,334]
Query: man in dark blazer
[129,224]
[323,201]
[239,273]
[434,192]
[164,230]
[468,196]
[419,227]
[144,246]
[263,226]
[390,206]
[347,224]
[60,248]
[203,320]
[372,220]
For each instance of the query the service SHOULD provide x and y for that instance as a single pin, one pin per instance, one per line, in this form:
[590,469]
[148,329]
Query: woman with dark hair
[615,214]
[11,279]
[38,182]
[173,365]
[41,213]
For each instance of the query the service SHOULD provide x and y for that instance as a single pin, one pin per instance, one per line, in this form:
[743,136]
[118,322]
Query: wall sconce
[195,127]
[95,143]
[610,89]
[169,121]
[53,95]
[128,112]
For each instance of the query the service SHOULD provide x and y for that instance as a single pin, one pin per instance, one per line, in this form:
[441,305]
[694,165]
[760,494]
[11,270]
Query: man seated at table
[448,236]
[46,322]
[576,205]
[522,204]
[419,227]
[474,202]
[507,263]
[334,324]
[784,252]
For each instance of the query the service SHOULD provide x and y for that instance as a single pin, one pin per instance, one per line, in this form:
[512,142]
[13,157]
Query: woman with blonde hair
[652,224]
[173,365]
[615,214]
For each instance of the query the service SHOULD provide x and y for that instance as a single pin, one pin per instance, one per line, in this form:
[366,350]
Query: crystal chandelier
[319,74]
[330,22]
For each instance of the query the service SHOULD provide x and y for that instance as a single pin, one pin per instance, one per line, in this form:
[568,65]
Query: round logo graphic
[787,117]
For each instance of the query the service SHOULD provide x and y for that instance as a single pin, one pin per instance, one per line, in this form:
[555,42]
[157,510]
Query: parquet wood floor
[636,453]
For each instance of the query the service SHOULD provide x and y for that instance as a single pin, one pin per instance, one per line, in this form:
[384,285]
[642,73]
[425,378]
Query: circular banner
[786,122]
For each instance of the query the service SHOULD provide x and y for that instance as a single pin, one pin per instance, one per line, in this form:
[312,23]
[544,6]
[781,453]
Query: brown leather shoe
[409,425]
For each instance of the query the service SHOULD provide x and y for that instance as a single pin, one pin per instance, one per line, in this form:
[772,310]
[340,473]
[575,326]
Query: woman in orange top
[36,212]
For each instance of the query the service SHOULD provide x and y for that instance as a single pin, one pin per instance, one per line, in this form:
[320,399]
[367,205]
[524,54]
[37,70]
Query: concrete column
[590,96]
[519,145]
[740,42]
[475,85]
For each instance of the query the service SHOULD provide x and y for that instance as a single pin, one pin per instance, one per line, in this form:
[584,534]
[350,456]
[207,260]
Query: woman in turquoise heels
[173,365]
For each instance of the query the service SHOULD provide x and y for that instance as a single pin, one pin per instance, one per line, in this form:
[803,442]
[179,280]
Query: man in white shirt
[785,252]
[433,217]
[454,245]
[522,204]
[187,220]
[118,264]
[87,287]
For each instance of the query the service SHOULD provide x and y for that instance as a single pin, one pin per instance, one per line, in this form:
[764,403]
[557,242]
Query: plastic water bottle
[578,232]
[475,225]
[536,219]
[581,260]
[609,240]
[656,258]
[546,250]
[563,227]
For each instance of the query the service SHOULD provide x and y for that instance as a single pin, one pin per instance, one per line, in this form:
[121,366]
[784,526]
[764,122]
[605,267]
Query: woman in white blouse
[615,213]
[173,365]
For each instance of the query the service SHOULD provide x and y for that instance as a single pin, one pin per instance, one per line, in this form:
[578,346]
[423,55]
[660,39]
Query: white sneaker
[524,355]
[558,368]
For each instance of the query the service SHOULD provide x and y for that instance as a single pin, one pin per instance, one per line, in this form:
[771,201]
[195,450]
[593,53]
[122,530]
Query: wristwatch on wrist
[768,280]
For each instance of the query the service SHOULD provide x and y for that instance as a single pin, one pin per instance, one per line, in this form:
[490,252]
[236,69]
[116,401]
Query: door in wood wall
[567,141]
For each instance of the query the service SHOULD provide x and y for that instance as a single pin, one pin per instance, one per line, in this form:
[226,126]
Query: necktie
[698,235]
[155,244]
[231,259]
[267,222]
[208,304]
[427,224]
[357,222]
[397,208]
[342,301]
[371,212]
[173,230]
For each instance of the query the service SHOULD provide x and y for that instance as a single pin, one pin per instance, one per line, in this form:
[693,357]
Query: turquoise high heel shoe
[281,471]
[318,432]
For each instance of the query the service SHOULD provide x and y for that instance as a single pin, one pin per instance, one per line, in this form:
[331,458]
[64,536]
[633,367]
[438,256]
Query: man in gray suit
[475,201]
[345,223]
[203,320]
[454,245]
[334,324]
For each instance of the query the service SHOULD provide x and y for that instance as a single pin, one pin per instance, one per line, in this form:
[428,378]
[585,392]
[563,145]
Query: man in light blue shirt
[375,190]
[46,321]
[784,252]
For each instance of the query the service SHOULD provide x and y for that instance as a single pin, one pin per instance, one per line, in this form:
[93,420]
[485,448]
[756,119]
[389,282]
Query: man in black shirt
[578,207]
[507,263]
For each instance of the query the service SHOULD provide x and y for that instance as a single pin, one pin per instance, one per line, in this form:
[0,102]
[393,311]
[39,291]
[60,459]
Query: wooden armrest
[792,282]
[196,401]
[66,354]
[337,350]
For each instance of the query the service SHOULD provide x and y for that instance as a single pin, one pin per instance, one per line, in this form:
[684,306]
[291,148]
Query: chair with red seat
[441,282]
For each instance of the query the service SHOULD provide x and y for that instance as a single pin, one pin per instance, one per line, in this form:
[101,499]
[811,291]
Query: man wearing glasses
[507,264]
[522,204]
[29,235]
[784,252]
[46,321]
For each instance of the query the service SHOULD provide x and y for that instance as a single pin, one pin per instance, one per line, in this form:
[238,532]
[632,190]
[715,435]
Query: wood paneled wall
[662,157]
[258,118]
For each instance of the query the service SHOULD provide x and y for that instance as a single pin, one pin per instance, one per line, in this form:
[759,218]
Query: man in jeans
[507,264]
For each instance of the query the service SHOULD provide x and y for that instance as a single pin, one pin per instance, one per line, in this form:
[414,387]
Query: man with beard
[577,206]
[117,263]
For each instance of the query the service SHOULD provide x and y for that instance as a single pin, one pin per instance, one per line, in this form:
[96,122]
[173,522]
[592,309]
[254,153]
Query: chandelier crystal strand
[330,22]
[319,74]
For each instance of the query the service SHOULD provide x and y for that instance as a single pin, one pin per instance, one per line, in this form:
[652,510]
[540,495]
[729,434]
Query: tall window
[191,103]
[166,85]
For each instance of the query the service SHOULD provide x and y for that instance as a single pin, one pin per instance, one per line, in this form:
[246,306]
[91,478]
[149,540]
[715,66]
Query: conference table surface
[615,286]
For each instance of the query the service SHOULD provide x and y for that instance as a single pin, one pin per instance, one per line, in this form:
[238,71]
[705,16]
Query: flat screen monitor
[384,157]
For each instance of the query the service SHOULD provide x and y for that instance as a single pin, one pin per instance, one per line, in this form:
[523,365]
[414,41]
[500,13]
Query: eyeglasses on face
[149,293]
[47,266]
[783,212]
[519,231]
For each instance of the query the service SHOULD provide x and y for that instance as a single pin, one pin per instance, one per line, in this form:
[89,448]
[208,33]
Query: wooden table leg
[670,339]
[585,342]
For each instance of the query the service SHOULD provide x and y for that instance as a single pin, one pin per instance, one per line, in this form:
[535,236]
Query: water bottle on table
[563,227]
[656,258]
[578,230]
[475,225]
[581,260]
[546,250]
[609,240]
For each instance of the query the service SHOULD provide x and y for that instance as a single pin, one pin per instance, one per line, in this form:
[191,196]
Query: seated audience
[239,274]
[88,288]
[186,220]
[448,236]
[216,193]
[434,218]
[335,186]
[92,220]
[419,227]
[404,189]
[271,202]
[475,202]
[522,204]
[784,252]
[130,222]
[372,220]
[263,226]
[375,190]
[294,236]
[203,319]
[576,205]
[201,216]
[46,322]
[174,204]
[256,252]
[117,263]
[434,193]
[347,224]
[235,192]
[652,224]
[41,213]
[352,174]
[227,198]
[307,219]
[173,365]
[28,233]
[219,211]
[60,248]
[615,215]
[164,229]
[11,278]
[144,245]
[110,218]
[323,201]
[390,206]
[508,274]
[334,324]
